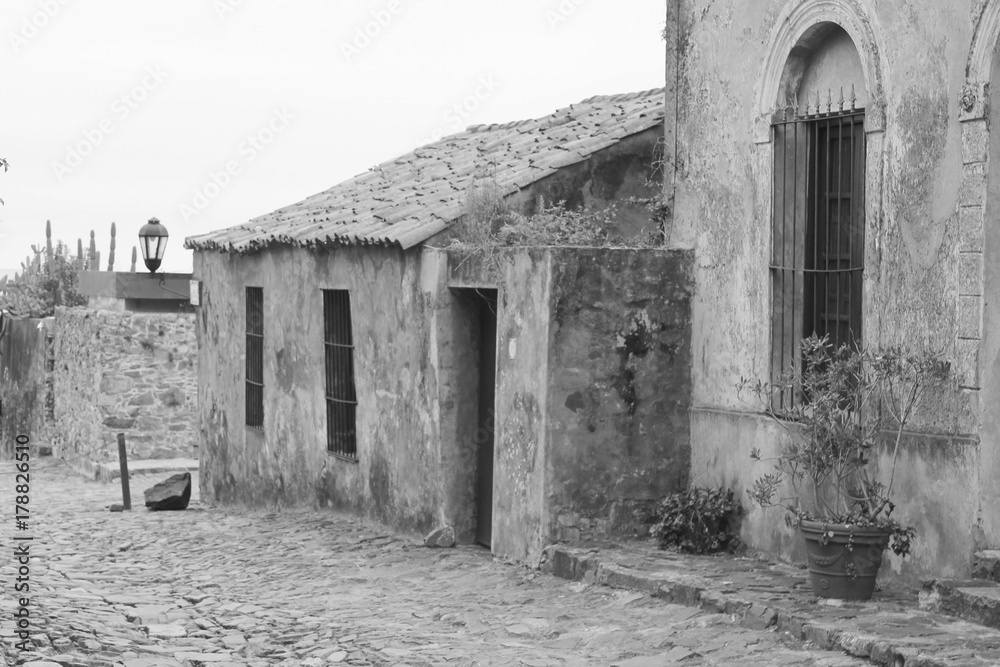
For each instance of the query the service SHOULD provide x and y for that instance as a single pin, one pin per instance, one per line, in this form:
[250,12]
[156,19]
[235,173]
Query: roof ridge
[614,97]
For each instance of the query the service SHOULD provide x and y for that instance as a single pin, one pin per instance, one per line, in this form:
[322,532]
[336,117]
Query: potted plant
[839,410]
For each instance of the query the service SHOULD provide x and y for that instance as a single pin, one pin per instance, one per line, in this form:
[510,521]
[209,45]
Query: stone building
[869,124]
[348,357]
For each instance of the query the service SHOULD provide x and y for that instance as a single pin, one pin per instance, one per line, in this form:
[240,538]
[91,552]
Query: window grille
[341,399]
[818,221]
[255,358]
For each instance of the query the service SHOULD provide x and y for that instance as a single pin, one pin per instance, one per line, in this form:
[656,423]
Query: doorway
[486,414]
[475,360]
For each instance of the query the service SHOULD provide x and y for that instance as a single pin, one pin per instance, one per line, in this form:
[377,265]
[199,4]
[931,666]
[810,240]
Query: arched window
[818,214]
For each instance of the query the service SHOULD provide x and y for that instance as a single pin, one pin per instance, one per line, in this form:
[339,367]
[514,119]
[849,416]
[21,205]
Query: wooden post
[123,462]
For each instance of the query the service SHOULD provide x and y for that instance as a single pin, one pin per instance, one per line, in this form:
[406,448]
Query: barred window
[341,399]
[818,222]
[255,358]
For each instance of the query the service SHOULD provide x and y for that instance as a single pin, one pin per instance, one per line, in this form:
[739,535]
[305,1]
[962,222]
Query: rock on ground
[173,493]
[441,537]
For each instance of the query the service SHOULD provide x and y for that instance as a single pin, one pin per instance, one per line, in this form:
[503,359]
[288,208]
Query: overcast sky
[206,113]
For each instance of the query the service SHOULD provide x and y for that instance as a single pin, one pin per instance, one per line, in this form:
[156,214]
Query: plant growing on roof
[845,404]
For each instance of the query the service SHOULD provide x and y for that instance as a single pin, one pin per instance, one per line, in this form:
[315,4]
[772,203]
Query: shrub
[698,521]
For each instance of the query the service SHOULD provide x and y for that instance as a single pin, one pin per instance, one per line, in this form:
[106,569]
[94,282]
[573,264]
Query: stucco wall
[120,372]
[619,389]
[24,384]
[394,479]
[917,282]
[593,389]
[524,330]
[621,329]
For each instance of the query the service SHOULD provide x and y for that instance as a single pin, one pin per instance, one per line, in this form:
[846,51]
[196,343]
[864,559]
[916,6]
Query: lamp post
[153,241]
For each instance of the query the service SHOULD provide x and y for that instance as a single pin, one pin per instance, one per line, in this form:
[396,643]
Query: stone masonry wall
[121,372]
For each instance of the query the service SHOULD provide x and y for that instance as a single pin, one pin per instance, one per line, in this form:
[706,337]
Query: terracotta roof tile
[407,200]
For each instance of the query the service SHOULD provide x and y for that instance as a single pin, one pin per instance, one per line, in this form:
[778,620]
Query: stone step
[975,600]
[986,565]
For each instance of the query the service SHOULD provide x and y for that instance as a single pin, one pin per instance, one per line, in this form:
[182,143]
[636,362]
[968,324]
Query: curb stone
[692,590]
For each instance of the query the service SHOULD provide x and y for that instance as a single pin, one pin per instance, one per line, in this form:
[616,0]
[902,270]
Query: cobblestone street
[221,586]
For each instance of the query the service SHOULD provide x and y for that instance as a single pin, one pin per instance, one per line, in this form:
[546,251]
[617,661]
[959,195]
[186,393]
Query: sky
[207,113]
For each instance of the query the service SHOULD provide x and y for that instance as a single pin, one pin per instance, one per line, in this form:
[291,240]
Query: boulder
[170,494]
[440,537]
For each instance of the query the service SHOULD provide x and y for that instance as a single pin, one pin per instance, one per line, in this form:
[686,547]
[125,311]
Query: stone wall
[121,372]
[25,383]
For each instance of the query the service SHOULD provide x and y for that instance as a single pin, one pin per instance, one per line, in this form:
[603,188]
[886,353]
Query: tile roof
[410,199]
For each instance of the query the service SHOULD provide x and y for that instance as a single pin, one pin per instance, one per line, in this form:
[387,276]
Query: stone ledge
[767,596]
[108,472]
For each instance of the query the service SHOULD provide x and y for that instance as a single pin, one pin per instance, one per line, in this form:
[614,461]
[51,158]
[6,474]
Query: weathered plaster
[924,196]
[612,325]
[288,462]
[25,384]
[619,388]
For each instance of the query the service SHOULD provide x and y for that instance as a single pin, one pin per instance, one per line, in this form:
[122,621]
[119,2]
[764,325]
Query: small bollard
[123,462]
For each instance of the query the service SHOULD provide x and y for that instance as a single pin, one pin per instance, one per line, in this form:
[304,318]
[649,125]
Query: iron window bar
[255,358]
[817,254]
[341,393]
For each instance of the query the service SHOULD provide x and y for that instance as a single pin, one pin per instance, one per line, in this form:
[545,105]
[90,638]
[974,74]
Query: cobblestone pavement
[223,586]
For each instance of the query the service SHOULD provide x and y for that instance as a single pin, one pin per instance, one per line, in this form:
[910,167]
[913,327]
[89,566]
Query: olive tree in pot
[844,405]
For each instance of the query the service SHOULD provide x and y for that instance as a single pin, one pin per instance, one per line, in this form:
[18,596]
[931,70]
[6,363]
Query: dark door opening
[487,307]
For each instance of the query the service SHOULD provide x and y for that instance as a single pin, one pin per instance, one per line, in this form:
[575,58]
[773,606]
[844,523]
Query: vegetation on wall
[49,277]
[47,280]
[50,280]
[491,220]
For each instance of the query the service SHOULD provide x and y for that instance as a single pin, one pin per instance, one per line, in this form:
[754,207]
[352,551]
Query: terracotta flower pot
[843,559]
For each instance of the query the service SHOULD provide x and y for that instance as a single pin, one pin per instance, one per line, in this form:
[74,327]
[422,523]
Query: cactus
[111,255]
[93,265]
[97,262]
[79,254]
[133,259]
[48,241]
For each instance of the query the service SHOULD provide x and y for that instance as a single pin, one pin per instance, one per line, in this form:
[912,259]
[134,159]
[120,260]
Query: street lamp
[153,241]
